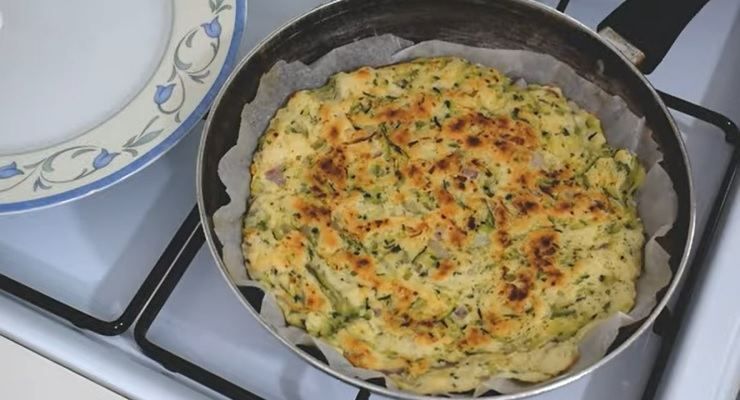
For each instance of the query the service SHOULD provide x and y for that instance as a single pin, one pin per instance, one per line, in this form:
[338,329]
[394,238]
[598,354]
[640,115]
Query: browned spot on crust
[401,137]
[503,122]
[500,214]
[548,188]
[368,227]
[564,206]
[471,223]
[422,108]
[474,337]
[500,133]
[414,231]
[310,212]
[447,164]
[363,267]
[460,182]
[331,168]
[444,197]
[517,293]
[502,145]
[472,141]
[324,112]
[333,133]
[358,353]
[363,72]
[443,270]
[403,294]
[413,170]
[541,252]
[597,205]
[442,164]
[556,174]
[313,300]
[427,323]
[457,236]
[503,237]
[403,297]
[523,180]
[293,243]
[543,248]
[328,237]
[518,290]
[518,140]
[416,174]
[317,192]
[525,206]
[458,125]
[501,218]
[392,113]
[425,337]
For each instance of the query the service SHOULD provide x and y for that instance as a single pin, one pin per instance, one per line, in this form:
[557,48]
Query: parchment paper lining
[657,200]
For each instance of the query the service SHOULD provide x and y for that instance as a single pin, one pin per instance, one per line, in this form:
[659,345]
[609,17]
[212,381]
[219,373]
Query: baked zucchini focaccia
[438,222]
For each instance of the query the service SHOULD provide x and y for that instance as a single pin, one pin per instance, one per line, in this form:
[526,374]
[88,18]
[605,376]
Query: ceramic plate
[91,91]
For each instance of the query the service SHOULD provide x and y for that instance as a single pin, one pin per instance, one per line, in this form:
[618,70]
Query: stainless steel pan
[637,35]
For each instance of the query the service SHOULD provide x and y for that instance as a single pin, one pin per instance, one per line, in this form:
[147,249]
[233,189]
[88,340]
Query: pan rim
[553,384]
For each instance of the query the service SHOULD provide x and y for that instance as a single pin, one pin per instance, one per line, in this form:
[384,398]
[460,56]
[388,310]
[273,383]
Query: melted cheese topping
[437,222]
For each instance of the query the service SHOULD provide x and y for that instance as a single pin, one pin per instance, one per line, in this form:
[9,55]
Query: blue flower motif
[163,93]
[213,28]
[10,170]
[103,159]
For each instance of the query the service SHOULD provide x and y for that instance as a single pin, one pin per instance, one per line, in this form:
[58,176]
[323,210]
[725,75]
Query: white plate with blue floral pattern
[92,91]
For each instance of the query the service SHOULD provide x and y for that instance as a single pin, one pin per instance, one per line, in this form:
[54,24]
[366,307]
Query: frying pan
[631,40]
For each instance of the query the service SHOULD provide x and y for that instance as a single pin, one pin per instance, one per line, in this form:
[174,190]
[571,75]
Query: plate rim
[158,150]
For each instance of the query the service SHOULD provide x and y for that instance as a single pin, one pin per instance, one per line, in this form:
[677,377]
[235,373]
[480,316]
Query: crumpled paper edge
[657,200]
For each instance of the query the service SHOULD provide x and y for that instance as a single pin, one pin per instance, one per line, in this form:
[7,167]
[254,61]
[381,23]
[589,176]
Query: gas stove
[119,287]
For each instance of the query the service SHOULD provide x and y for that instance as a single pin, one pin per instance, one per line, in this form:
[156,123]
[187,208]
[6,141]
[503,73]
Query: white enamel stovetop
[94,253]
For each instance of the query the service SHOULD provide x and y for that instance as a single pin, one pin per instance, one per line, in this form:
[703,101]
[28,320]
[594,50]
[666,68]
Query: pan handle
[644,30]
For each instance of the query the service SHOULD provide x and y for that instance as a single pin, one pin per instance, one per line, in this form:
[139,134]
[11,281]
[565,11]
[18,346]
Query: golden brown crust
[436,222]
